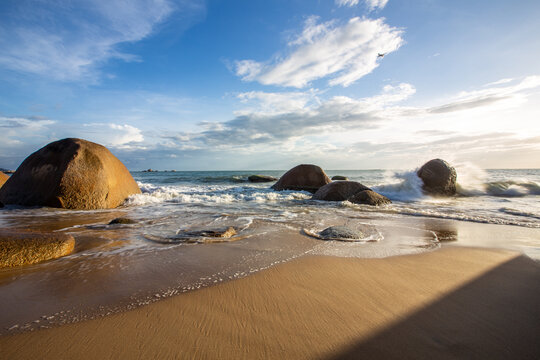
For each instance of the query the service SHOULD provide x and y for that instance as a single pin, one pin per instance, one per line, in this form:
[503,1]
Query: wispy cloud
[371,4]
[512,94]
[344,53]
[67,40]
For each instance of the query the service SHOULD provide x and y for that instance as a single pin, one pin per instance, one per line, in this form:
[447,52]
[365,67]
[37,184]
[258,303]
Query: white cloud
[68,41]
[371,4]
[114,135]
[343,53]
[274,103]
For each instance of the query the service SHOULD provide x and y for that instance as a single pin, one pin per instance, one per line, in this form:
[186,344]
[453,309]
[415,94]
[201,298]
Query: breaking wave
[152,194]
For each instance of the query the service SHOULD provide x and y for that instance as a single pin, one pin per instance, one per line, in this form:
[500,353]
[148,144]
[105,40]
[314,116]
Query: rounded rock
[18,249]
[339,191]
[303,177]
[340,232]
[369,197]
[439,178]
[72,174]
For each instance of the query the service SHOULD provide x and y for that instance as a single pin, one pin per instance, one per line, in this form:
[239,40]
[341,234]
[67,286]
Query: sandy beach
[446,304]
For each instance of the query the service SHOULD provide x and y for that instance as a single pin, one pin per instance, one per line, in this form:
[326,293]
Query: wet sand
[450,303]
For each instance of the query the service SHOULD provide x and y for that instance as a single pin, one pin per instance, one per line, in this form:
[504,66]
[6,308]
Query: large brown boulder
[439,178]
[72,174]
[339,190]
[3,178]
[369,197]
[18,249]
[303,177]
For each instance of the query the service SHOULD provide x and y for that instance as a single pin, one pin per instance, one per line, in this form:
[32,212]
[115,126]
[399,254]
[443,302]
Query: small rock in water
[369,197]
[339,190]
[196,236]
[122,220]
[221,233]
[340,232]
[339,177]
[261,178]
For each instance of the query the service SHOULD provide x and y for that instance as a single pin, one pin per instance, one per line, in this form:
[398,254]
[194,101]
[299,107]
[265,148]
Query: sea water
[118,267]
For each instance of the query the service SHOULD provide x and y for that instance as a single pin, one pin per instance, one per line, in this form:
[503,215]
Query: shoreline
[452,302]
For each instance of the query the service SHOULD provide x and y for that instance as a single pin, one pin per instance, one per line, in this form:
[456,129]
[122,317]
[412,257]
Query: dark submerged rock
[439,178]
[369,197]
[339,177]
[122,220]
[340,232]
[261,178]
[196,236]
[339,191]
[72,174]
[303,177]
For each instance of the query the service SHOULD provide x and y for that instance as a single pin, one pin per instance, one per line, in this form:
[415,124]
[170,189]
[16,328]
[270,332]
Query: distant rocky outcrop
[339,190]
[303,177]
[72,174]
[261,178]
[369,197]
[18,249]
[3,178]
[339,177]
[439,178]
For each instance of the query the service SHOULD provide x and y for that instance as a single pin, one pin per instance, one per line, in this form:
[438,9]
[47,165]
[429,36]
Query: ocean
[122,266]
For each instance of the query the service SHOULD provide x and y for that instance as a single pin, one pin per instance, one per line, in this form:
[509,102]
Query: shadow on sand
[496,316]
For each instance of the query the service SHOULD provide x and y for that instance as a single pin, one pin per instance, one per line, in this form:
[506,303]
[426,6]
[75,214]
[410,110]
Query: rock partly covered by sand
[339,191]
[303,177]
[369,197]
[261,178]
[72,174]
[18,249]
[3,178]
[439,178]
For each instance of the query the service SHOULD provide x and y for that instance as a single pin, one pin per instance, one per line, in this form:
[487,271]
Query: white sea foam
[223,194]
[401,186]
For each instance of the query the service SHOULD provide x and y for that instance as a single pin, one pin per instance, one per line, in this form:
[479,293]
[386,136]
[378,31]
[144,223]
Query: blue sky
[226,84]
